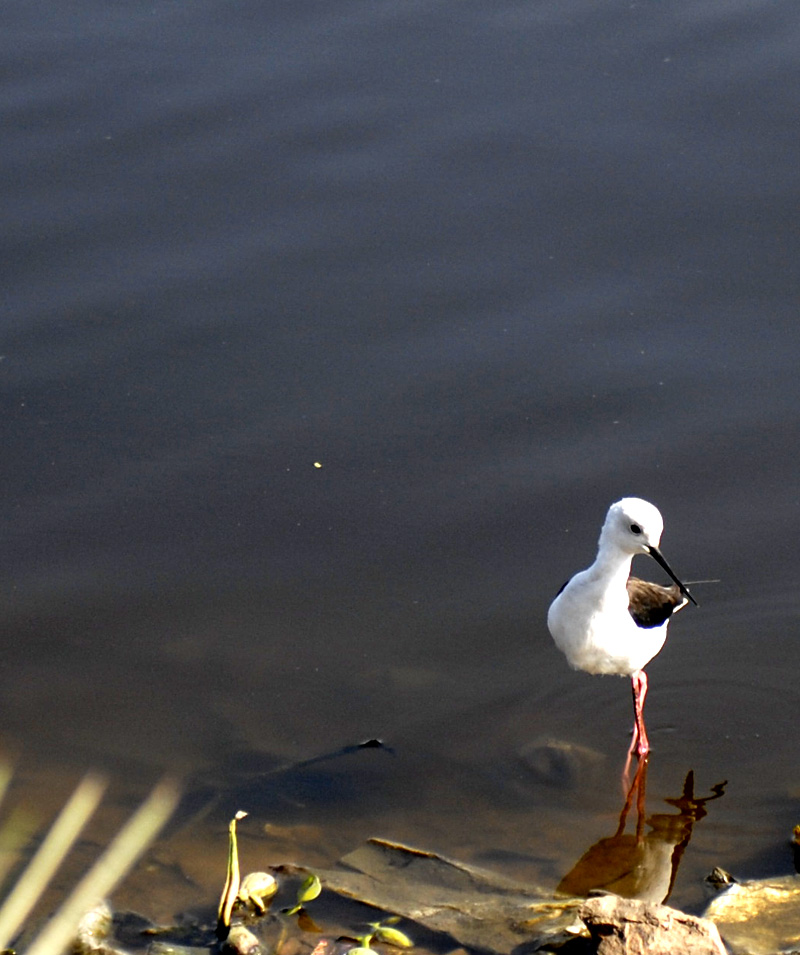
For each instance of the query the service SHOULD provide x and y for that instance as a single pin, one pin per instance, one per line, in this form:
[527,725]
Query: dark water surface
[492,266]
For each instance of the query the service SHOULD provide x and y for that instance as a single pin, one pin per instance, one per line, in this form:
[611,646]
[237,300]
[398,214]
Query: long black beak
[655,553]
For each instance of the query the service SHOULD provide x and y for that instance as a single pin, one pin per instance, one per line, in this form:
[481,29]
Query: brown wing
[651,604]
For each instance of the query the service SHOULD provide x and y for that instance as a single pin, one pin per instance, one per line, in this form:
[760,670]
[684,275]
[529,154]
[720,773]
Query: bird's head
[633,526]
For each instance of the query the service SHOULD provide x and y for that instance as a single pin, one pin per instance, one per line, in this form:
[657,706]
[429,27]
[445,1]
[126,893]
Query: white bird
[606,621]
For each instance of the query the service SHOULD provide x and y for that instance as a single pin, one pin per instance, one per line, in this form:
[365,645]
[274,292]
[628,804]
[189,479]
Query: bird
[606,621]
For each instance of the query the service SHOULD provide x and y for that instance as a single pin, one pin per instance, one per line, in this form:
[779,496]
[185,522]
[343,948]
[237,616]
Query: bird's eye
[636,529]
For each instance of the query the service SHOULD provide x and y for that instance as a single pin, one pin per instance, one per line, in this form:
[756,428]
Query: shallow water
[492,268]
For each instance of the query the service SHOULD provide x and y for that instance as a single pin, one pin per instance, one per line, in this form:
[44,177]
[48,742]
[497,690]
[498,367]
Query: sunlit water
[329,334]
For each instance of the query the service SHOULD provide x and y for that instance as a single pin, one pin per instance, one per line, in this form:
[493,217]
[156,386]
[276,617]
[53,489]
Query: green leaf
[309,890]
[392,936]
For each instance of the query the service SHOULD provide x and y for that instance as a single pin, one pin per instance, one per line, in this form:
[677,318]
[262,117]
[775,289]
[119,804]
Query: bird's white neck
[612,565]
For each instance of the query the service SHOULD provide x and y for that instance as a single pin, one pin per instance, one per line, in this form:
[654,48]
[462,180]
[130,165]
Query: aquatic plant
[107,871]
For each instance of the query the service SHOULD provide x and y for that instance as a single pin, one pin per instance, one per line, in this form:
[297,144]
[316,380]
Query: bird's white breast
[591,625]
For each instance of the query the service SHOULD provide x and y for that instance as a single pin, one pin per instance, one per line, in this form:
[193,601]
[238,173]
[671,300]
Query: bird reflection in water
[641,865]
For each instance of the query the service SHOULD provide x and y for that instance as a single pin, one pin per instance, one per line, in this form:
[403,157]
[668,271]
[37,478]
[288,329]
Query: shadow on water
[641,864]
[261,784]
[380,784]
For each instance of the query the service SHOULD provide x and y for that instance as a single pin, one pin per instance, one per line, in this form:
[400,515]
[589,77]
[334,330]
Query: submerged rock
[480,909]
[562,765]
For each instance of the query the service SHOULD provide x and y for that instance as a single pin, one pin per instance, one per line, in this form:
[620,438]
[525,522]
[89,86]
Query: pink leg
[639,741]
[639,684]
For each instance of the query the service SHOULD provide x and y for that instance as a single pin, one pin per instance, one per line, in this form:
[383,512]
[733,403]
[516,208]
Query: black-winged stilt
[606,621]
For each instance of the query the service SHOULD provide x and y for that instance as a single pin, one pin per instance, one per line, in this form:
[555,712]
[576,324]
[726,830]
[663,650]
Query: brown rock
[630,927]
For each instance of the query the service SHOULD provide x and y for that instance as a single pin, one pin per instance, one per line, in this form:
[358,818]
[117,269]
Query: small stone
[242,941]
[95,926]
